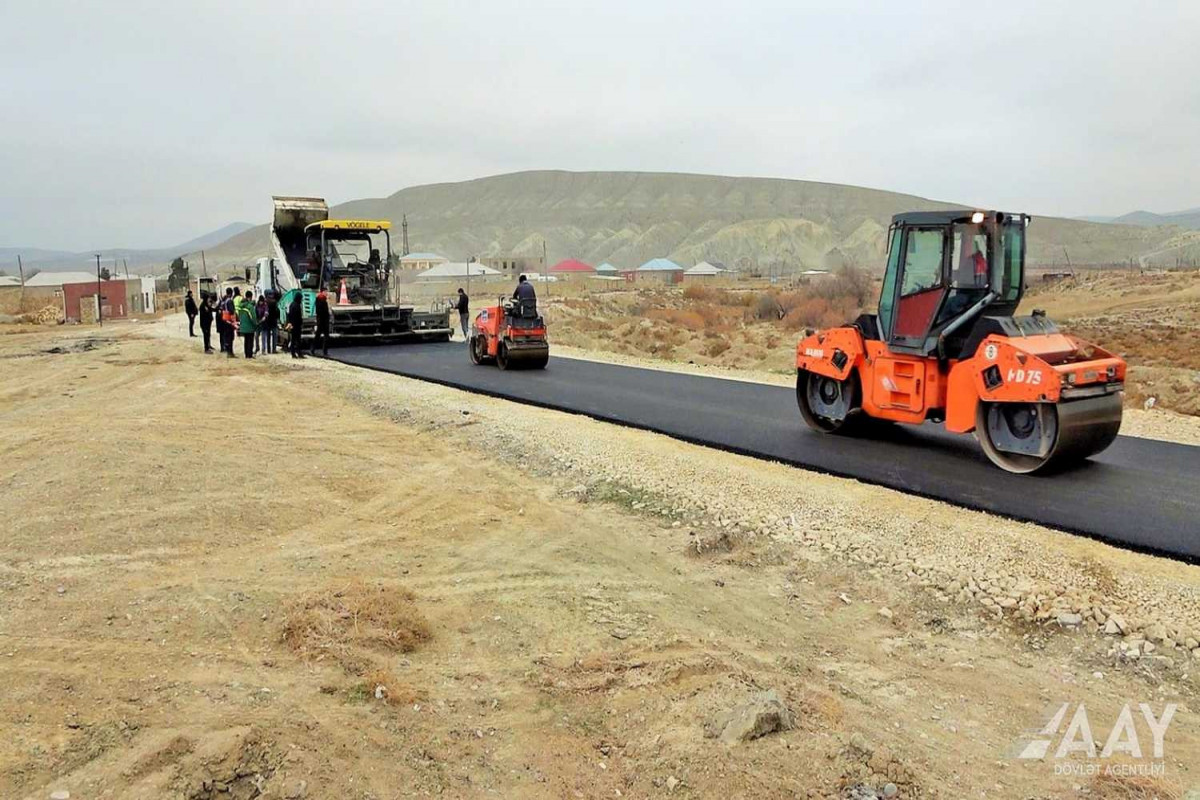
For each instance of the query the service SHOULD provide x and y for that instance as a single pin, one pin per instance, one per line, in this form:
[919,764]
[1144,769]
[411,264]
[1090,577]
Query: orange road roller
[946,347]
[511,335]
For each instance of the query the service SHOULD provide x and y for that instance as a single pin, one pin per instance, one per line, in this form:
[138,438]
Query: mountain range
[627,218]
[1189,219]
[137,259]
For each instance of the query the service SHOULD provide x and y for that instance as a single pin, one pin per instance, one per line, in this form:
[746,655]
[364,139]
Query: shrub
[716,347]
[344,622]
[766,307]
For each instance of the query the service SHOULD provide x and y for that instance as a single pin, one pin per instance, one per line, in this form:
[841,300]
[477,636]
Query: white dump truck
[348,259]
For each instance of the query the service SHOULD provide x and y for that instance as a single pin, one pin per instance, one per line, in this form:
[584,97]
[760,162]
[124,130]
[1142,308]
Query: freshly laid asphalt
[1138,493]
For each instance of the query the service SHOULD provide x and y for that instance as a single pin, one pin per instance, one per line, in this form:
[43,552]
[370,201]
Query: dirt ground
[1151,318]
[225,579]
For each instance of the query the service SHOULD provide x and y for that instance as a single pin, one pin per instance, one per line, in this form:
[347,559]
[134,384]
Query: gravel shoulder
[598,598]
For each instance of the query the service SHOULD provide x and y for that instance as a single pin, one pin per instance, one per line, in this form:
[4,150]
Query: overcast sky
[145,124]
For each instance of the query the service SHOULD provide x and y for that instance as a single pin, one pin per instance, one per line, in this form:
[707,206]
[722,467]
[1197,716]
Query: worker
[247,322]
[295,323]
[464,307]
[260,323]
[206,320]
[321,307]
[226,318]
[980,264]
[220,321]
[526,296]
[189,307]
[271,324]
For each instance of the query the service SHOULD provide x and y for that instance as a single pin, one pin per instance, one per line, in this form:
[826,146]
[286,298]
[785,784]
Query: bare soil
[232,579]
[1152,319]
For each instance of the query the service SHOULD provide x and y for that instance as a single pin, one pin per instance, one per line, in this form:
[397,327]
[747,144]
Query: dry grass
[730,324]
[379,684]
[347,622]
[1151,319]
[1113,786]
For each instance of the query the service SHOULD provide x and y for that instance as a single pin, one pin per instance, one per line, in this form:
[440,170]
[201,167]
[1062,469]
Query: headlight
[977,217]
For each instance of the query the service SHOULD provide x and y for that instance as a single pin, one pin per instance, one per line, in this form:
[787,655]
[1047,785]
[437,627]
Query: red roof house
[572,265]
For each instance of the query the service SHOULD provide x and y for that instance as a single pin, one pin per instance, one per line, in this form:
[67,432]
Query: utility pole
[545,271]
[404,229]
[203,264]
[126,263]
[21,269]
[99,294]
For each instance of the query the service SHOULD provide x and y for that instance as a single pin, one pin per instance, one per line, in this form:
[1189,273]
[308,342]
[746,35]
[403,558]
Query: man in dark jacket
[464,309]
[225,323]
[271,323]
[526,296]
[189,307]
[295,322]
[206,321]
[321,307]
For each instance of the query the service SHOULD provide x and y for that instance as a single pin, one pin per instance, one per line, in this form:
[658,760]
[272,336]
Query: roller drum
[526,355]
[1029,437]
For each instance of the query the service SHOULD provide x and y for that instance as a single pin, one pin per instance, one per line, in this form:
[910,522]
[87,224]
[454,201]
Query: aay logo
[1078,738]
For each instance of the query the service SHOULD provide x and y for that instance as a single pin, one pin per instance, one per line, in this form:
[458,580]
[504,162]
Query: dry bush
[379,684]
[789,300]
[1132,787]
[690,320]
[343,622]
[817,312]
[712,315]
[716,347]
[698,292]
[849,282]
[765,306]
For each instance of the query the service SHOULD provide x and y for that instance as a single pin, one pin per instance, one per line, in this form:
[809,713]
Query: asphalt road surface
[1138,493]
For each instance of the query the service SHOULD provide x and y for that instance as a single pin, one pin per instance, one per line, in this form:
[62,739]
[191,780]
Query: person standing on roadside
[464,310]
[321,307]
[206,321]
[260,321]
[247,323]
[225,317]
[295,323]
[271,324]
[189,307]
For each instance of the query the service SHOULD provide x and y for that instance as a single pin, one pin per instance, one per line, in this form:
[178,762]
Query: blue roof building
[660,265]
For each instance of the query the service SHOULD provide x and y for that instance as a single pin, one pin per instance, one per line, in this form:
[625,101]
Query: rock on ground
[764,713]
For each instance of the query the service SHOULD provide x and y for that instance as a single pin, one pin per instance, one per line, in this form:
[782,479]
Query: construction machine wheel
[827,404]
[1028,437]
[478,348]
[502,358]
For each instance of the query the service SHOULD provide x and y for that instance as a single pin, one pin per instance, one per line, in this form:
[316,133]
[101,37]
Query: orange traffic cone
[343,297]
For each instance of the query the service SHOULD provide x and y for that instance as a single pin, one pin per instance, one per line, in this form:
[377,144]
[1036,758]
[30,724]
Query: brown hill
[629,217]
